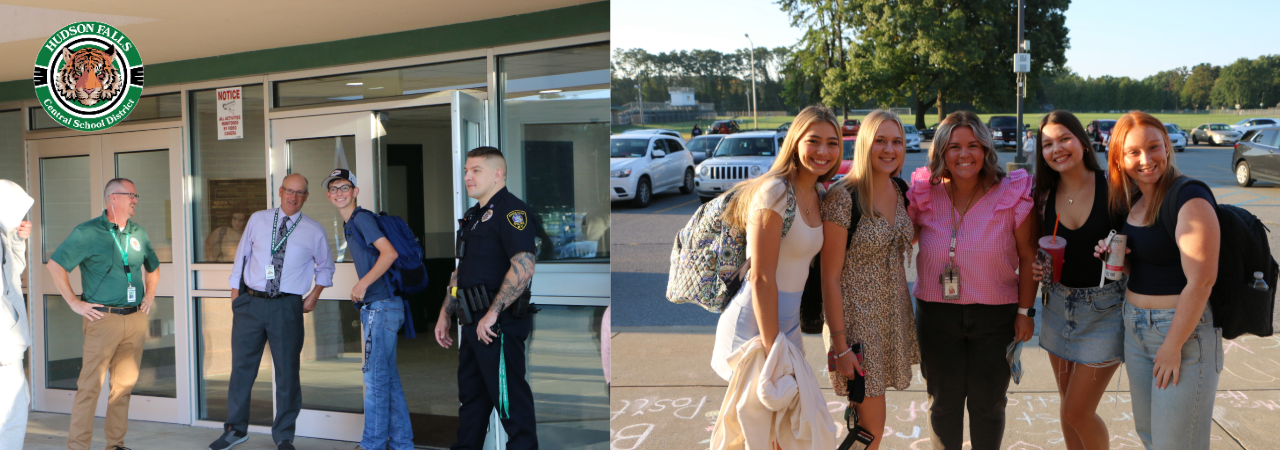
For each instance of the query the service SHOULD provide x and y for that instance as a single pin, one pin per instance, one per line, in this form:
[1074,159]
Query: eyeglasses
[131,196]
[344,189]
[292,192]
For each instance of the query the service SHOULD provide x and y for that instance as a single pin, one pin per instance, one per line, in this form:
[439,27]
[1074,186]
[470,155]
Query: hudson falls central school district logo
[88,76]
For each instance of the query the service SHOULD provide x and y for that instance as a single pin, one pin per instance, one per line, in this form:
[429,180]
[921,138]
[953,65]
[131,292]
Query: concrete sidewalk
[665,396]
[48,431]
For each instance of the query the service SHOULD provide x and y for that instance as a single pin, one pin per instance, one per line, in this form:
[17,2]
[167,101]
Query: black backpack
[811,300]
[1238,308]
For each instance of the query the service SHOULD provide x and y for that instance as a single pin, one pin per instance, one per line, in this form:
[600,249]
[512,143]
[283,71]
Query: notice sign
[230,125]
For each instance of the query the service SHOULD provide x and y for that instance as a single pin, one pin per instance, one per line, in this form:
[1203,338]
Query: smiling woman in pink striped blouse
[975,240]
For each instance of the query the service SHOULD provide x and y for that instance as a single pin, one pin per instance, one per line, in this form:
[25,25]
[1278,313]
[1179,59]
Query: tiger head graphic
[87,76]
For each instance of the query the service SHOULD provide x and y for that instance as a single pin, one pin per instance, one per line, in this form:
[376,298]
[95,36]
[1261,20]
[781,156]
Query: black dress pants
[962,359]
[478,385]
[258,321]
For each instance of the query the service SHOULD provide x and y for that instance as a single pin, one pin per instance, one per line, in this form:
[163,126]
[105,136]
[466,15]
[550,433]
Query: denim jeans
[386,415]
[1182,412]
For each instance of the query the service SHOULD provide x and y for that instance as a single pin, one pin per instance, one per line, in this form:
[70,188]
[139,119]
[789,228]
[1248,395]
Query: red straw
[1056,220]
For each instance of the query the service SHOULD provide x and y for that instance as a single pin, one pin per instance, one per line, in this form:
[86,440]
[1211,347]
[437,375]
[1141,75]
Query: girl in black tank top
[1081,325]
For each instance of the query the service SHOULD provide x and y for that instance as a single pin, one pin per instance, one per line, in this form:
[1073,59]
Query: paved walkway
[665,396]
[48,431]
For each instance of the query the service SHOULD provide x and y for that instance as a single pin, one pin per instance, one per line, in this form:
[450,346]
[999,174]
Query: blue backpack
[408,274]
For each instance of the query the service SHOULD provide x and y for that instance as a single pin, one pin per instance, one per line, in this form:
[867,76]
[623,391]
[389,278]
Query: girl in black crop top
[1173,354]
[1081,326]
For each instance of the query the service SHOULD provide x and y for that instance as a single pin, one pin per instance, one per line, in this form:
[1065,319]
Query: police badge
[517,219]
[487,214]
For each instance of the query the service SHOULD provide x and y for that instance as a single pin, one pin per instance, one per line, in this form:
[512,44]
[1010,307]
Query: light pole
[755,121]
[640,102]
[1021,66]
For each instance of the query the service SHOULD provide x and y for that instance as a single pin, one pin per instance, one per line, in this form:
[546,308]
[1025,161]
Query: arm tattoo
[516,281]
[450,303]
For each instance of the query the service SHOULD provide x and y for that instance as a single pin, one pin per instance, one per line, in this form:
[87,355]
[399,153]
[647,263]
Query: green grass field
[1186,121]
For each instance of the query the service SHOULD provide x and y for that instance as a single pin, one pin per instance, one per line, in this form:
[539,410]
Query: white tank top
[800,244]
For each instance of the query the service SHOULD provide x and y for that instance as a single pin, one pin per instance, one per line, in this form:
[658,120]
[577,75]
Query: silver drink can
[1114,267]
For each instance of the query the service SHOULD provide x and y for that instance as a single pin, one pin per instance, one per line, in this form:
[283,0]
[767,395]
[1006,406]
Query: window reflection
[555,116]
[229,177]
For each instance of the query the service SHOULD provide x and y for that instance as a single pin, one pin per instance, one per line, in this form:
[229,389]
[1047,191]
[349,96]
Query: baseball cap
[340,174]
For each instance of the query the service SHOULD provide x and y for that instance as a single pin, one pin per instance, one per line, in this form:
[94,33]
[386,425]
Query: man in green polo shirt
[110,252]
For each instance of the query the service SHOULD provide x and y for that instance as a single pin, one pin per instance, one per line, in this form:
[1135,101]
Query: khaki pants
[112,343]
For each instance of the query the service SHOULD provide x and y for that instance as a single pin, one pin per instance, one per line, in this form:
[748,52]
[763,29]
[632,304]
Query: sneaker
[229,439]
[285,445]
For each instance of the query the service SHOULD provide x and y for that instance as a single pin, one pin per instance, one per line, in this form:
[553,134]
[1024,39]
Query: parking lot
[664,394]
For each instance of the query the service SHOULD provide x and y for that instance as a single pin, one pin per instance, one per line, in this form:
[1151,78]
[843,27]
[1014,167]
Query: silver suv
[738,157]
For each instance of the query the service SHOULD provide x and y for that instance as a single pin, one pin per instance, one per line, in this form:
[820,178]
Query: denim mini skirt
[1085,325]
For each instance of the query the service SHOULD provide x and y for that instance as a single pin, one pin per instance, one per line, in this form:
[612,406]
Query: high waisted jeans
[386,415]
[1178,416]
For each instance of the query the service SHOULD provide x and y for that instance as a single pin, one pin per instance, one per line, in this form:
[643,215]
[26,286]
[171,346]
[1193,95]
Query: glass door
[332,382]
[68,182]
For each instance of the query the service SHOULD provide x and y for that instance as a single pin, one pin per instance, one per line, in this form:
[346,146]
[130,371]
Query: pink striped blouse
[986,251]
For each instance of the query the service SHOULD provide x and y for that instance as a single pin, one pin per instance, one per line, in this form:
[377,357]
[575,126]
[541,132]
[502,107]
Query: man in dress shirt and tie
[280,253]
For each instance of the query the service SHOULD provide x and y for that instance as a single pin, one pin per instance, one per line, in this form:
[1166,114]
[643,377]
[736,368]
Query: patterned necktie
[273,285]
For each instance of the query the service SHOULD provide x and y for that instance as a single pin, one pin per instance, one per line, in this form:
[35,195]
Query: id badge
[132,294]
[271,272]
[950,283]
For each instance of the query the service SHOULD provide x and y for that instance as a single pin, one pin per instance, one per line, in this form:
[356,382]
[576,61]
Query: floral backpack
[708,255]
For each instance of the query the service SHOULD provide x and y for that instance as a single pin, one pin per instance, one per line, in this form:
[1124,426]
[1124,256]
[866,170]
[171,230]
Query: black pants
[962,359]
[259,321]
[478,386]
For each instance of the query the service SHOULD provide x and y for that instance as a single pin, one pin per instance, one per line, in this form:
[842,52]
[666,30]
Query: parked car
[1255,157]
[912,139]
[1245,125]
[1175,137]
[1004,131]
[724,127]
[846,161]
[784,127]
[1100,134]
[662,131]
[703,146]
[640,165]
[739,157]
[927,133]
[1173,127]
[851,127]
[1215,133]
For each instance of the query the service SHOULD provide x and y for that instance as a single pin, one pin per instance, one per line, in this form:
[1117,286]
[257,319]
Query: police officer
[496,258]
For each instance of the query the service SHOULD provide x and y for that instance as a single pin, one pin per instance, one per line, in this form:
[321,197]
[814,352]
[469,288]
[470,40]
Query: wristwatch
[1029,312]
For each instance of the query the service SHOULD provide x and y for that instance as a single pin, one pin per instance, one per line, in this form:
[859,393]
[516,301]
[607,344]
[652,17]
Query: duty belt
[473,302]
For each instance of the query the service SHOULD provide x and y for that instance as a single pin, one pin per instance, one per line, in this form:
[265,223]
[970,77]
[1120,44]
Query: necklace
[967,205]
[1071,199]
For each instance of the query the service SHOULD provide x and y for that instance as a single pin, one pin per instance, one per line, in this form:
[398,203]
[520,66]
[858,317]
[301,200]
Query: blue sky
[1118,38]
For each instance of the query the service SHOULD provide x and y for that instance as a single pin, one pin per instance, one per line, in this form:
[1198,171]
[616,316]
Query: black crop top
[1155,263]
[1079,268]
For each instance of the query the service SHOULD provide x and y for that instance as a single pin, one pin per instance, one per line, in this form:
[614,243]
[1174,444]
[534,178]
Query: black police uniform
[489,236]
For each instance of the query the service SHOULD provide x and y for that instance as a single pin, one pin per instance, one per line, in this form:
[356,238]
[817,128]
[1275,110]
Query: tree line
[1250,83]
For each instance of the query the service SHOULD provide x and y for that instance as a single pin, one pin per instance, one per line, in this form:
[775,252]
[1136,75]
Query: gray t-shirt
[364,254]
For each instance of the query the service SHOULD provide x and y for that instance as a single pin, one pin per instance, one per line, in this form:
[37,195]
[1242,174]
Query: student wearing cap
[110,251]
[15,336]
[495,251]
[281,254]
[386,415]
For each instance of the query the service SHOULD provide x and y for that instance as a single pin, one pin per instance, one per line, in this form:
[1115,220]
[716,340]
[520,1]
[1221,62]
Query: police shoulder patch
[518,219]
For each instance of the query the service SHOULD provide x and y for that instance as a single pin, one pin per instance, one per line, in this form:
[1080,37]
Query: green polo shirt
[101,276]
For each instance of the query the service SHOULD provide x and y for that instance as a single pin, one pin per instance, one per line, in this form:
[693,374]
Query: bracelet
[845,352]
[837,333]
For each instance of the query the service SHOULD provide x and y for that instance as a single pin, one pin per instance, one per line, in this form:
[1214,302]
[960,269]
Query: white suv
[642,164]
[1255,123]
[738,157]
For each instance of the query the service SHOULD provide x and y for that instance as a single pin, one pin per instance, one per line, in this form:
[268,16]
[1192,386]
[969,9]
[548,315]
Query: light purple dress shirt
[306,254]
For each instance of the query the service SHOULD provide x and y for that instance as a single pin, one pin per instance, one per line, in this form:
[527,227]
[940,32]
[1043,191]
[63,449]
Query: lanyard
[955,227]
[124,255]
[275,246]
[503,403]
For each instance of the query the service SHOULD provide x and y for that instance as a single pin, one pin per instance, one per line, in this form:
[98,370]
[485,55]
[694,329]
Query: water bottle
[1259,284]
